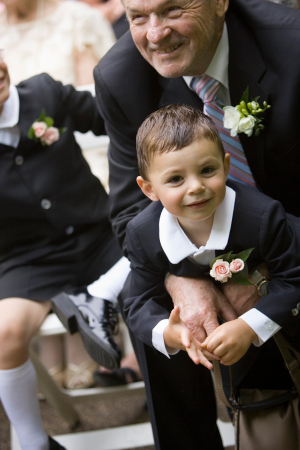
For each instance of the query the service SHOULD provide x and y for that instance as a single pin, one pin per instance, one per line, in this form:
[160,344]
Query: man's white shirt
[177,246]
[218,68]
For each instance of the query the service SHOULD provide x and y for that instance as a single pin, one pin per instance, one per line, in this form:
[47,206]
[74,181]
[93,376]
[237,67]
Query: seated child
[195,217]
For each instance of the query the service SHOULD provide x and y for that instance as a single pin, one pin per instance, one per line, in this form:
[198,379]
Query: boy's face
[189,182]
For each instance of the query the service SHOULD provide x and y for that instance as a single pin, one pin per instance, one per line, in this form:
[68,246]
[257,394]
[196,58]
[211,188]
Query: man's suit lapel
[247,69]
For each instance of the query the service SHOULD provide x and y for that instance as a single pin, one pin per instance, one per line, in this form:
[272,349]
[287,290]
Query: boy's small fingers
[209,355]
[193,355]
[175,315]
[205,361]
[185,338]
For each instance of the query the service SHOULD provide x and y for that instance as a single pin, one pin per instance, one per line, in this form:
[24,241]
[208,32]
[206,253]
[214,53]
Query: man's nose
[157,30]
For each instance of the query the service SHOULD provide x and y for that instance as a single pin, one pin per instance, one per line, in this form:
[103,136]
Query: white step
[119,438]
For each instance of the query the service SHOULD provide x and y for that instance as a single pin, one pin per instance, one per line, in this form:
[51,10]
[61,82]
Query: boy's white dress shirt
[177,246]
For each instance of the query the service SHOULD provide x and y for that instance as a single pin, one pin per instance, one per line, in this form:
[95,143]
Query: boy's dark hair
[173,128]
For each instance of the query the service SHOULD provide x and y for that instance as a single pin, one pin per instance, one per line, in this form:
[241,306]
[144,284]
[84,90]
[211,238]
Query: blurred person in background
[66,40]
[114,11]
[55,232]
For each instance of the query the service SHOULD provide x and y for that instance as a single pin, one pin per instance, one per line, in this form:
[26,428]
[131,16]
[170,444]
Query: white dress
[48,43]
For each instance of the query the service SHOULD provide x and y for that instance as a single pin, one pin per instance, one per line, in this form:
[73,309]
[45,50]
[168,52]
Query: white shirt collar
[177,245]
[10,113]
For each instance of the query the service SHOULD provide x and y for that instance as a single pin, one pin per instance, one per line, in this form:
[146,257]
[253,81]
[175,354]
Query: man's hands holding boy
[200,303]
[177,335]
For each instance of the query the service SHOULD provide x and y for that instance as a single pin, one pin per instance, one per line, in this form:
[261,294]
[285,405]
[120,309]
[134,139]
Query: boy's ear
[226,164]
[147,188]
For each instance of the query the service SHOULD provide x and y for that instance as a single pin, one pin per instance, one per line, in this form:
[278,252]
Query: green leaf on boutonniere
[43,118]
[244,255]
[245,95]
[31,134]
[227,257]
[238,278]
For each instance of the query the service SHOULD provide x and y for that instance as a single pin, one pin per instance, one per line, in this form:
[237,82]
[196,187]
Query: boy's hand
[230,341]
[177,335]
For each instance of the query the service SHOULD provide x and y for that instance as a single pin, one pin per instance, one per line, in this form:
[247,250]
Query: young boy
[195,217]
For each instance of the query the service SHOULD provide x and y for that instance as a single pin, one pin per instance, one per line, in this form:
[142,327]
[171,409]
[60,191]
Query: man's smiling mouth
[168,49]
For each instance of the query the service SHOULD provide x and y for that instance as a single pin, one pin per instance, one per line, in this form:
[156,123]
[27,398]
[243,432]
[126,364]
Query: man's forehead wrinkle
[140,5]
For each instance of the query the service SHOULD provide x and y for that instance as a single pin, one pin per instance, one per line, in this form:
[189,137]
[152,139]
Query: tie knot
[206,88]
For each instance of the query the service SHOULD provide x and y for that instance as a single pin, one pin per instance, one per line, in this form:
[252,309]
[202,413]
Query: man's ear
[222,6]
[226,164]
[147,188]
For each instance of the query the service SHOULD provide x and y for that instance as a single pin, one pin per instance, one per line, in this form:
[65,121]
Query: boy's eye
[207,170]
[175,179]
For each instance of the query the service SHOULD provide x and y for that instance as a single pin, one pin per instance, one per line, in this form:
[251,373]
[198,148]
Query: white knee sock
[18,394]
[111,283]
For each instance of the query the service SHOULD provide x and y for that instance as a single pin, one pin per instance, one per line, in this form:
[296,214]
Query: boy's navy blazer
[59,172]
[258,221]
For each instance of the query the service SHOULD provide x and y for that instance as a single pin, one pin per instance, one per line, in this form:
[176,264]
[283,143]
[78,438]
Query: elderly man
[174,50]
[246,43]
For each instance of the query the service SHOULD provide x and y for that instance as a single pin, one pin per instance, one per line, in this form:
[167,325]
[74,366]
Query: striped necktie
[207,89]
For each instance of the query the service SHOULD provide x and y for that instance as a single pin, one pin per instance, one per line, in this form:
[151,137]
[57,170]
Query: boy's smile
[189,182]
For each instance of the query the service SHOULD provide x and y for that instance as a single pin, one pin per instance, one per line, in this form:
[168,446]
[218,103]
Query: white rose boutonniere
[231,266]
[42,130]
[243,118]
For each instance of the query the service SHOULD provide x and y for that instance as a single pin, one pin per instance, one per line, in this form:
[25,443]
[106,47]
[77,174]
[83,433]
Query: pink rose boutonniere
[231,266]
[43,131]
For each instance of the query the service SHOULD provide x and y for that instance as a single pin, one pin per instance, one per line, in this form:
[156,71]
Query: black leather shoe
[53,445]
[96,320]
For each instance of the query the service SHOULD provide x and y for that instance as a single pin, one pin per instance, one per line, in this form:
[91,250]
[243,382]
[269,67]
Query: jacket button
[45,203]
[69,229]
[19,160]
[295,312]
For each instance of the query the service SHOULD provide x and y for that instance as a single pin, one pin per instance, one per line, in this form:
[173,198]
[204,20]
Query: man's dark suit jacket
[258,221]
[32,173]
[264,54]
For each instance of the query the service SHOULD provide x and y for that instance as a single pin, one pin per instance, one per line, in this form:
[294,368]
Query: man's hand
[177,335]
[243,298]
[200,303]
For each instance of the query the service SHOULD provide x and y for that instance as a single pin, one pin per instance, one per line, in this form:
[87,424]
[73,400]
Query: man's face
[177,37]
[4,84]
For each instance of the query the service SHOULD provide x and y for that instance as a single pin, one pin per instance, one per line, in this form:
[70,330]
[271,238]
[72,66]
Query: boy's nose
[196,186]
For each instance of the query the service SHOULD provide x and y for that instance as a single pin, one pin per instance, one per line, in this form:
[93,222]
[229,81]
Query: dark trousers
[180,399]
